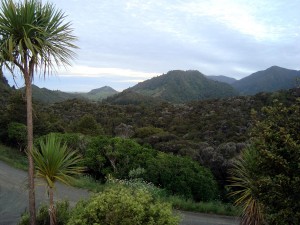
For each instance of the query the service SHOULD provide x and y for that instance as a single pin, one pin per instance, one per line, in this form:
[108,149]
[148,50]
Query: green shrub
[123,206]
[182,176]
[42,218]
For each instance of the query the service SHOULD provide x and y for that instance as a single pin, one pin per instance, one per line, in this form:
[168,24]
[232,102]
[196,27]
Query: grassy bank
[18,160]
[13,157]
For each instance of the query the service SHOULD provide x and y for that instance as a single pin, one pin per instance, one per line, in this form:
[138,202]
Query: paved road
[14,198]
[190,218]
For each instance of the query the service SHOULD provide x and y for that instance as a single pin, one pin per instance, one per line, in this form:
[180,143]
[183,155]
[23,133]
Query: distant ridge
[47,96]
[221,78]
[182,86]
[272,79]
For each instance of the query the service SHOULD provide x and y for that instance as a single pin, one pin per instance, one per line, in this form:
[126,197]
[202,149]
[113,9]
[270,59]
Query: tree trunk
[52,213]
[30,149]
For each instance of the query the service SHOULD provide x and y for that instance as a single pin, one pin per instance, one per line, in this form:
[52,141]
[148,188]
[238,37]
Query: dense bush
[179,175]
[123,206]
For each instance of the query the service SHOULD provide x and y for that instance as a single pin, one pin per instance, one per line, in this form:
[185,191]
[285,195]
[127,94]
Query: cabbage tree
[33,38]
[54,162]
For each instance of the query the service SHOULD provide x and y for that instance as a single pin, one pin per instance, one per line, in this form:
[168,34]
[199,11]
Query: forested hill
[179,86]
[272,79]
[99,94]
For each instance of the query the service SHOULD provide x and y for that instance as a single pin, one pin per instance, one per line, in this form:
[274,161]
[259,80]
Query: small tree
[54,163]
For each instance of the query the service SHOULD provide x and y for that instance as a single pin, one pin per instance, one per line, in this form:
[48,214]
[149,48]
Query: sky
[123,42]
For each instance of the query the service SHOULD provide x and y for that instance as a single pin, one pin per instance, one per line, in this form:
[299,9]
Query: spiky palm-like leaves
[54,162]
[33,36]
[243,183]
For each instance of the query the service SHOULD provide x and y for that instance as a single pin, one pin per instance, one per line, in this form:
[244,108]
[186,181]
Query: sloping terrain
[272,79]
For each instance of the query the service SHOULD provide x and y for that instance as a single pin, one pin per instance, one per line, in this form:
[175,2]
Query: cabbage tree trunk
[52,212]
[31,193]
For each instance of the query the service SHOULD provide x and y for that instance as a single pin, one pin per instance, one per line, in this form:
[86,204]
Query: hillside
[221,78]
[269,80]
[100,93]
[182,86]
[47,96]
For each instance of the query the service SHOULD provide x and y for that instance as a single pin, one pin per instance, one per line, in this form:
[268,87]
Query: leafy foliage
[123,206]
[276,148]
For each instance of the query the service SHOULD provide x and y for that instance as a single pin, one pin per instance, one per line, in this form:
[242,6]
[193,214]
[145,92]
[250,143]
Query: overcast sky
[123,42]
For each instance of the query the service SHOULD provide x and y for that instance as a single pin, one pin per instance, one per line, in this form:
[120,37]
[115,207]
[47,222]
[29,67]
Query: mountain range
[179,86]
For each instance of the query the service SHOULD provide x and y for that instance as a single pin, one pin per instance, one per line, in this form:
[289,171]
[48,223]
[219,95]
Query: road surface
[14,198]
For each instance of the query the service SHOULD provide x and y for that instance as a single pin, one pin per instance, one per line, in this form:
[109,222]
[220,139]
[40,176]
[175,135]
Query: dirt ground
[14,199]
